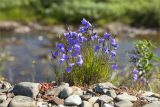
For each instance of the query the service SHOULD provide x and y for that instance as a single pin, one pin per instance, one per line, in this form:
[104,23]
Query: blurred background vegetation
[133,12]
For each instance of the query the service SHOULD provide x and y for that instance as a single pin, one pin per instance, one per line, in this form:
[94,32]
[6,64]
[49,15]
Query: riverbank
[116,28]
[28,94]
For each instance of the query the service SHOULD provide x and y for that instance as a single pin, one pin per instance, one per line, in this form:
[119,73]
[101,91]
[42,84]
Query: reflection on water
[31,55]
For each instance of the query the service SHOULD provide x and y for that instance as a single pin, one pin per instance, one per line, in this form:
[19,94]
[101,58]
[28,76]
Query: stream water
[29,55]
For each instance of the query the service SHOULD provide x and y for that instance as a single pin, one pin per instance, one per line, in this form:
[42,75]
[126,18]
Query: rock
[77,91]
[107,105]
[8,25]
[86,104]
[3,97]
[150,96]
[27,89]
[102,88]
[5,85]
[5,103]
[22,101]
[91,92]
[3,90]
[86,96]
[126,97]
[22,29]
[93,100]
[124,104]
[111,93]
[42,104]
[57,101]
[96,105]
[60,106]
[64,84]
[153,104]
[73,100]
[105,99]
[67,91]
[151,99]
[56,91]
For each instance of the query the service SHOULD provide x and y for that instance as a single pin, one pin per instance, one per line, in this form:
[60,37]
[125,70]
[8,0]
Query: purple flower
[105,50]
[77,48]
[135,71]
[61,48]
[112,54]
[69,48]
[82,29]
[107,35]
[114,66]
[86,23]
[80,60]
[96,48]
[83,39]
[67,35]
[55,53]
[101,40]
[61,61]
[113,42]
[135,77]
[64,56]
[94,37]
[68,69]
[75,53]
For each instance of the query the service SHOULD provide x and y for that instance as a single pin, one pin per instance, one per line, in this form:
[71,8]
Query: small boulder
[22,101]
[67,91]
[26,89]
[105,99]
[124,104]
[86,104]
[126,97]
[3,97]
[86,97]
[93,99]
[102,88]
[153,104]
[111,93]
[73,100]
[106,105]
[5,103]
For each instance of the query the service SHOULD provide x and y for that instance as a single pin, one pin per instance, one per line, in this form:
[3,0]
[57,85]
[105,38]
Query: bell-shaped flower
[134,77]
[69,68]
[60,47]
[101,40]
[64,56]
[77,48]
[83,39]
[107,35]
[112,53]
[75,53]
[86,23]
[114,66]
[113,42]
[105,50]
[135,71]
[97,48]
[66,35]
[61,61]
[94,37]
[80,60]
[55,54]
[82,29]
[69,49]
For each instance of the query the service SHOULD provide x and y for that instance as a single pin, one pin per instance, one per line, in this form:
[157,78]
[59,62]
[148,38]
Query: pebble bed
[28,94]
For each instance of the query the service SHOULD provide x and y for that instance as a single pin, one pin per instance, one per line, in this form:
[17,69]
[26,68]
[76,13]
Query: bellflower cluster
[71,51]
[141,57]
